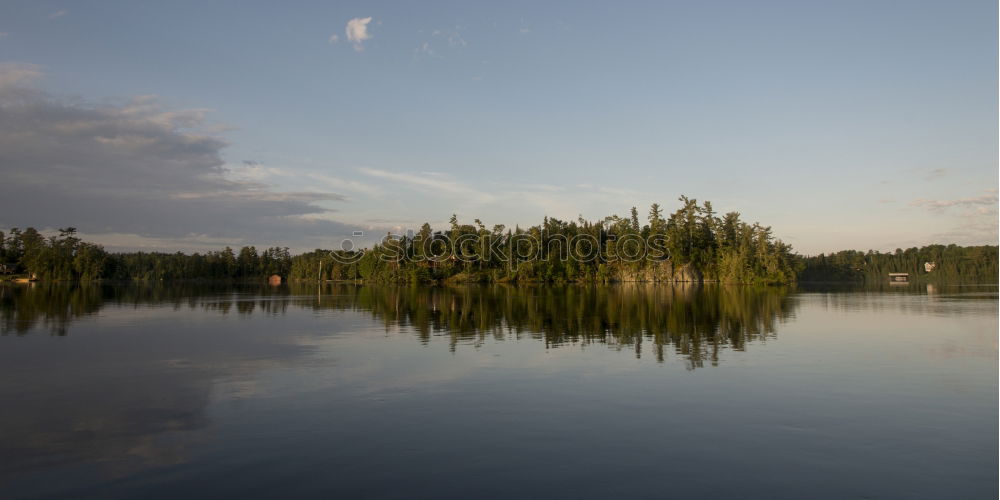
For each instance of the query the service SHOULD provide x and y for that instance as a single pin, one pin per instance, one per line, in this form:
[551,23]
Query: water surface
[648,391]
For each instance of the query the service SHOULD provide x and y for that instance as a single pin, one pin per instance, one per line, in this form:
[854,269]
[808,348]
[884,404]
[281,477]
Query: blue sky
[840,124]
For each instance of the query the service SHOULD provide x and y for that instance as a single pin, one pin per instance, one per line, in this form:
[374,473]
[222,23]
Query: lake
[625,391]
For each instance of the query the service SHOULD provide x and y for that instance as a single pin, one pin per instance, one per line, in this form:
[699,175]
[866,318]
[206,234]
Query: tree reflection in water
[695,321]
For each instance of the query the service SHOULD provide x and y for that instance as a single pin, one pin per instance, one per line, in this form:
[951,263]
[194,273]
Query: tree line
[692,243]
[929,264]
[66,257]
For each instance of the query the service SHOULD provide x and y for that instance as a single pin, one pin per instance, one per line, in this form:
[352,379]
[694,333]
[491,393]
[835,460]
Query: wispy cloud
[18,76]
[333,39]
[58,13]
[974,218]
[425,50]
[936,173]
[988,200]
[975,231]
[357,32]
[3,34]
[339,183]
[519,203]
[256,171]
[429,180]
[380,220]
[452,37]
[439,38]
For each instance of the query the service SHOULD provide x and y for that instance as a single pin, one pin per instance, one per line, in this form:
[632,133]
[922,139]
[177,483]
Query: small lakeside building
[899,277]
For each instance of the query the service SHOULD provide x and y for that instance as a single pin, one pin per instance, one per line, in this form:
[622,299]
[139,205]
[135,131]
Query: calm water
[478,392]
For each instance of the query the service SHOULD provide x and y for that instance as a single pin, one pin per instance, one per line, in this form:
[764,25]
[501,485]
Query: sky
[195,125]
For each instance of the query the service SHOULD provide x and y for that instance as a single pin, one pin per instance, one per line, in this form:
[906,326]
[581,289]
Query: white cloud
[334,39]
[58,13]
[357,31]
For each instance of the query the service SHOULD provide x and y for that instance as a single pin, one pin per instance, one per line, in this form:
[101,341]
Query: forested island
[692,244]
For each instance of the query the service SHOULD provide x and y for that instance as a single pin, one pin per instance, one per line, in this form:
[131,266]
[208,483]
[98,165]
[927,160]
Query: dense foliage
[691,244]
[947,264]
[66,257]
[59,257]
